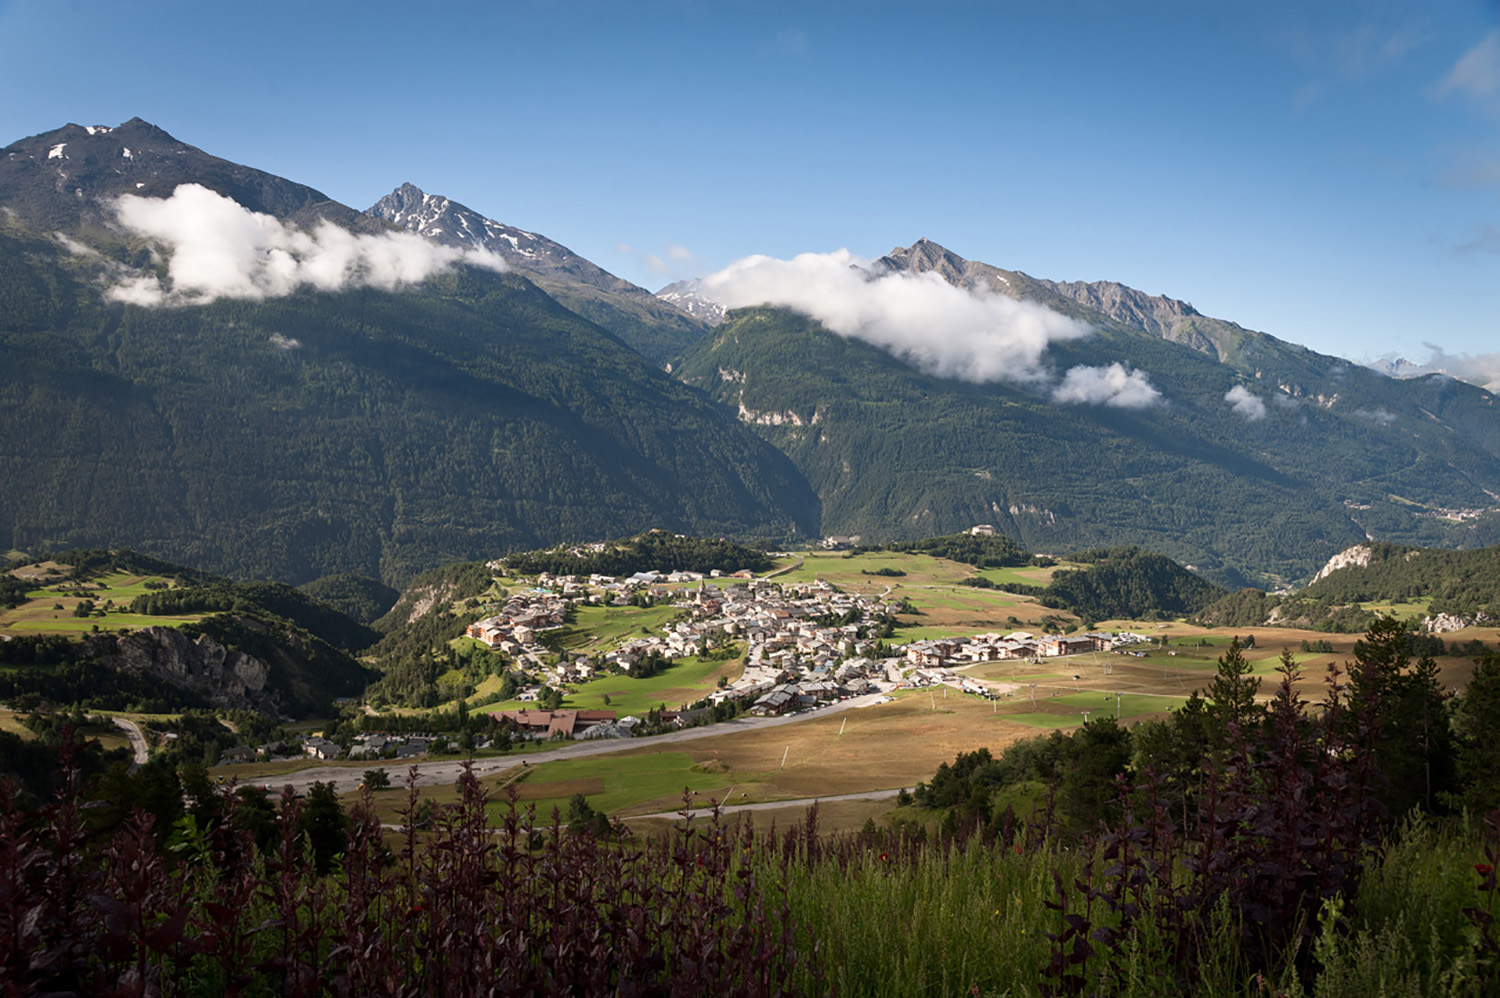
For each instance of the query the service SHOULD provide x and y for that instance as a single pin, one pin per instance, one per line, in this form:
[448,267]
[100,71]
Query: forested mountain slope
[371,431]
[893,451]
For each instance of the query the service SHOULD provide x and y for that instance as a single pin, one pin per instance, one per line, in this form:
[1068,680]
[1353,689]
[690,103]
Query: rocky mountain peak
[68,178]
[688,296]
[1153,313]
[444,220]
[923,256]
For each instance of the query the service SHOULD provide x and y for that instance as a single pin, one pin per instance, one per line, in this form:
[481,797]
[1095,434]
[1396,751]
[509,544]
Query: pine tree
[1400,711]
[1231,695]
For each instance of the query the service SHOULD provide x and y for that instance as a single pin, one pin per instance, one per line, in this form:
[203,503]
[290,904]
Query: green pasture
[643,783]
[598,629]
[51,612]
[118,586]
[845,570]
[1400,609]
[923,632]
[65,623]
[962,598]
[1066,711]
[1025,575]
[686,681]
[10,722]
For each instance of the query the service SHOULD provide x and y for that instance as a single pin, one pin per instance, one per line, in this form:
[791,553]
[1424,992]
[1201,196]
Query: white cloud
[1477,72]
[222,250]
[1115,385]
[281,342]
[73,246]
[1246,403]
[679,253]
[939,328]
[1477,369]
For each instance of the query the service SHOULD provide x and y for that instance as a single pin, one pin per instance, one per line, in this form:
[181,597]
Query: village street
[431,774]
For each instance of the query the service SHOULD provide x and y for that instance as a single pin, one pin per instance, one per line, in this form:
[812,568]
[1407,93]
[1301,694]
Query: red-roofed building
[553,722]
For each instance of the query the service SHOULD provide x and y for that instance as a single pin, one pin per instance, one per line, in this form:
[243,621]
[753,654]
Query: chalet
[553,723]
[778,701]
[1065,644]
[321,748]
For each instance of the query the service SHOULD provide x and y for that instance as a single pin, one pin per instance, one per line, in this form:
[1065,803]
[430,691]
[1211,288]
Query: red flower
[1016,848]
[1483,869]
[884,858]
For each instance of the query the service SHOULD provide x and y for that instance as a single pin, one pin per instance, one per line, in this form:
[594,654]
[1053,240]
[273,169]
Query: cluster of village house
[795,659]
[368,746]
[793,656]
[959,651]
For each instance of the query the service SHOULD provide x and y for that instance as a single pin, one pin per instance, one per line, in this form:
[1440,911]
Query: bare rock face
[224,677]
[1445,623]
[1357,556]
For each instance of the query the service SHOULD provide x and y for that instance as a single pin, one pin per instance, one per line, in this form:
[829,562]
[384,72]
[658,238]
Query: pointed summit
[445,221]
[925,255]
[653,328]
[68,178]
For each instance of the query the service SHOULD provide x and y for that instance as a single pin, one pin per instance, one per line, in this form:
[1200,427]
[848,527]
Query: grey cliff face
[226,678]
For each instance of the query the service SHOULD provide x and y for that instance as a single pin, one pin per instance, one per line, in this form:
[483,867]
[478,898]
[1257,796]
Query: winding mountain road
[137,741]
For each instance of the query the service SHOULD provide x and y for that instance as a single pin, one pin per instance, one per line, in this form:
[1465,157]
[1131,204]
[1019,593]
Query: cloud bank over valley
[941,329]
[219,249]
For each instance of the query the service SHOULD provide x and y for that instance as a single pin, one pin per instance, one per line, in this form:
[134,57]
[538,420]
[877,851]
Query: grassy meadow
[50,609]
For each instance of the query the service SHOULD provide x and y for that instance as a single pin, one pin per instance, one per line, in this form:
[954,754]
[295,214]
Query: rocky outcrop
[1445,623]
[1357,556]
[224,677]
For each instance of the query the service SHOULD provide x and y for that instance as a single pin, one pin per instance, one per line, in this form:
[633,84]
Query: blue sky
[1327,172]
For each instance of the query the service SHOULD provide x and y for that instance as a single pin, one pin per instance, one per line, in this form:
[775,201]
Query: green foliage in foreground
[249,895]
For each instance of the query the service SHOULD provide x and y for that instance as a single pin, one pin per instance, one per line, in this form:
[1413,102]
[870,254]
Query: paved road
[137,741]
[431,774]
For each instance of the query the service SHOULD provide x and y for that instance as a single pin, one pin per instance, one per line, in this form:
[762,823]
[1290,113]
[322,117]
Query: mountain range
[391,389]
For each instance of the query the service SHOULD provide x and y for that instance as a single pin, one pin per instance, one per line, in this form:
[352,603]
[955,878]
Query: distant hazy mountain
[1482,373]
[656,331]
[294,437]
